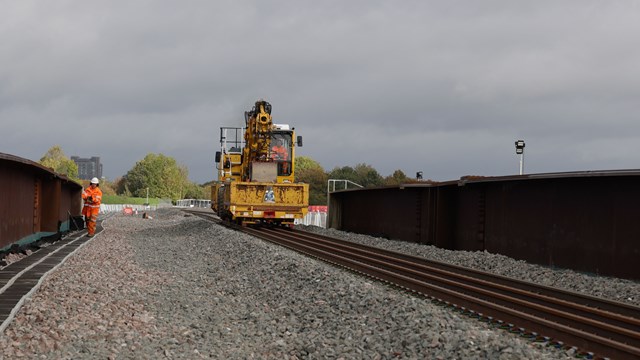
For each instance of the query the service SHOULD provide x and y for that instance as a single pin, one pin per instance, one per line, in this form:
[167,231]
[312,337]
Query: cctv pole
[521,162]
[520,151]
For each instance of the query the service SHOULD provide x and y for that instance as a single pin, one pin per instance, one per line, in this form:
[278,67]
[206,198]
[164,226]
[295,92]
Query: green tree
[311,172]
[55,159]
[195,191]
[398,177]
[161,174]
[120,186]
[362,174]
[304,162]
[344,173]
[368,176]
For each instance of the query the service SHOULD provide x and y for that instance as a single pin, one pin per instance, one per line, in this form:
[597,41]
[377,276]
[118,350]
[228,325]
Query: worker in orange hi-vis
[280,153]
[92,197]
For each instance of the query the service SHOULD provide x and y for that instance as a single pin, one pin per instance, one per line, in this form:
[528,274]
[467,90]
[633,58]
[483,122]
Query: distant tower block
[88,168]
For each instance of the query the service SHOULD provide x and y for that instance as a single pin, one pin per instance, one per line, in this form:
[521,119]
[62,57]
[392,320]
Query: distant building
[88,168]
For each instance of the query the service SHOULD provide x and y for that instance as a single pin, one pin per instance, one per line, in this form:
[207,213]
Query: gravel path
[176,286]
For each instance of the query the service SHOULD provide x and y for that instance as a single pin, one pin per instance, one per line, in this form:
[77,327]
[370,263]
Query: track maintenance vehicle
[256,172]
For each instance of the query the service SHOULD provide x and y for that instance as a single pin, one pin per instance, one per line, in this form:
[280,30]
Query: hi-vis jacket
[92,197]
[279,153]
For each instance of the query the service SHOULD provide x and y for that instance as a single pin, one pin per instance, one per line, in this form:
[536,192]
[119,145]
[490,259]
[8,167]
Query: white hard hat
[95,181]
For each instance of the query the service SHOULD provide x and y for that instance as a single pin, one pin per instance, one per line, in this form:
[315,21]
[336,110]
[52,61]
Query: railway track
[597,328]
[21,278]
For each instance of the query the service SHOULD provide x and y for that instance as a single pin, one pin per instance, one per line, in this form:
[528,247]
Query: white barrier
[106,208]
[313,218]
[201,203]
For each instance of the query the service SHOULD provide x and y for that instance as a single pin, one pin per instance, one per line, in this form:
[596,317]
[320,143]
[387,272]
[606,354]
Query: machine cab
[281,152]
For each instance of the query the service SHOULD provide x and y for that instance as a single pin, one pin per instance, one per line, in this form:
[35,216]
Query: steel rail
[624,310]
[619,314]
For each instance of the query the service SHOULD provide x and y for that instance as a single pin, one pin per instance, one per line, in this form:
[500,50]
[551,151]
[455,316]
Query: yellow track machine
[255,166]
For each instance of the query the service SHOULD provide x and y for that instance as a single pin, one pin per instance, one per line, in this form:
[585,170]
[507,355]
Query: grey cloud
[439,86]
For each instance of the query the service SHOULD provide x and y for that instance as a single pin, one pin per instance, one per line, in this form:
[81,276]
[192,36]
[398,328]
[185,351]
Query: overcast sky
[444,87]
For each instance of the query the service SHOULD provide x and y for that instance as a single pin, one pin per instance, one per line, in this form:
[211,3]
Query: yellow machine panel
[281,202]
